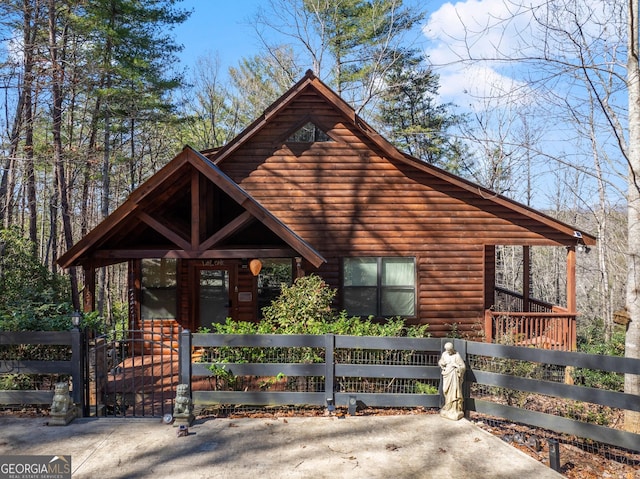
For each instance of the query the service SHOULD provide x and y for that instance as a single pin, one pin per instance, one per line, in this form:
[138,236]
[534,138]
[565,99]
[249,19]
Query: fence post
[554,454]
[329,375]
[184,358]
[77,369]
[460,345]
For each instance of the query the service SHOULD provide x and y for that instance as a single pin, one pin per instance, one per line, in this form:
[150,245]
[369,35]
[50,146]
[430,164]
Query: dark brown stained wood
[231,228]
[164,230]
[158,218]
[196,212]
[347,198]
[135,293]
[231,253]
[185,304]
[263,196]
[369,140]
[247,283]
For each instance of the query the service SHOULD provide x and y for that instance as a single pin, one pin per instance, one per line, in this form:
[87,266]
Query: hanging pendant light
[255,266]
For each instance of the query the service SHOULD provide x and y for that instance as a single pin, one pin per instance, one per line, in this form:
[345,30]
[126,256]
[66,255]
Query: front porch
[518,319]
[534,323]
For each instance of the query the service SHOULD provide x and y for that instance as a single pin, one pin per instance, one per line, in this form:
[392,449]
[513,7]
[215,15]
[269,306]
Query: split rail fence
[66,346]
[403,372]
[331,370]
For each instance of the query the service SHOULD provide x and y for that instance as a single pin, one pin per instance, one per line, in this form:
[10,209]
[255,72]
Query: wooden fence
[557,389]
[72,367]
[335,360]
[367,371]
[326,366]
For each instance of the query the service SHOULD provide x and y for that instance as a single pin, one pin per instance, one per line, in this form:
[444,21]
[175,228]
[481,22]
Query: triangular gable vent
[309,133]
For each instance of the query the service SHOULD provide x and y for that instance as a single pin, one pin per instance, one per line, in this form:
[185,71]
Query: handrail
[533,304]
[548,330]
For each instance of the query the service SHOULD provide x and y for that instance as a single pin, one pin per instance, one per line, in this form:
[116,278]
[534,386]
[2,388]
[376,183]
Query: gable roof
[140,206]
[310,80]
[142,213]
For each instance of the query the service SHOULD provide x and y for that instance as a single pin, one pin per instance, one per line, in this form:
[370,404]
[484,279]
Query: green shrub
[305,308]
[425,388]
[13,382]
[593,342]
[302,308]
[33,298]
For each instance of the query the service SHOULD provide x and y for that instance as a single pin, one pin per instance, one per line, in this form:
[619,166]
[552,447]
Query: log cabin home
[309,187]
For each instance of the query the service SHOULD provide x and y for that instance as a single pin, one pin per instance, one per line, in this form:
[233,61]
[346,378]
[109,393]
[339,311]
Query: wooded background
[95,101]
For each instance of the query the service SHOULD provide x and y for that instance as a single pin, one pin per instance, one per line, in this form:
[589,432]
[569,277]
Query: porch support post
[184,358]
[134,287]
[299,272]
[526,278]
[571,279]
[89,290]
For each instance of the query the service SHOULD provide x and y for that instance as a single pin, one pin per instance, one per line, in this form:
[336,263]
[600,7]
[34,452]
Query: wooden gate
[133,373]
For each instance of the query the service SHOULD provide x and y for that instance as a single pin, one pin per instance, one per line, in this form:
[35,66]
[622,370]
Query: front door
[214,299]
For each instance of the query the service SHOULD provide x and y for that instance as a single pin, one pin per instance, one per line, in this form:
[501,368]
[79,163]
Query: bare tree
[206,107]
[632,342]
[580,60]
[56,57]
[258,81]
[351,44]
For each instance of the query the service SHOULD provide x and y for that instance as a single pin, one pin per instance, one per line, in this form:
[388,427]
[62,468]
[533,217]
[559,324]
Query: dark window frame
[164,287]
[380,288]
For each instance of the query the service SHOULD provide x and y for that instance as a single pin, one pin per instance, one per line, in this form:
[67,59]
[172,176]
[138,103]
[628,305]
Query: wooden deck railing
[544,325]
[507,300]
[542,330]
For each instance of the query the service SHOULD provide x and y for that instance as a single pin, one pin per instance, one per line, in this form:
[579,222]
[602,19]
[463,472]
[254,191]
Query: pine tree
[413,120]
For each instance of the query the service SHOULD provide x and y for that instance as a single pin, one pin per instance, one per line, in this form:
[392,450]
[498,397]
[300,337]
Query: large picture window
[275,272]
[379,286]
[159,289]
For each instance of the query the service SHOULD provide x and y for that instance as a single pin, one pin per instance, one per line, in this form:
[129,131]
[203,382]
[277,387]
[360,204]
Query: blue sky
[452,30]
[222,28]
[217,27]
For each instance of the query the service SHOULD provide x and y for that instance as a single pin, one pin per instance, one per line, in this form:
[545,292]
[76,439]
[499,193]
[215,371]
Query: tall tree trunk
[106,186]
[632,341]
[90,161]
[57,79]
[605,294]
[30,33]
[6,195]
[4,188]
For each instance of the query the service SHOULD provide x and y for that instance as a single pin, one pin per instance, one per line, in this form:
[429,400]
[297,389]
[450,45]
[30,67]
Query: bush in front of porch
[305,308]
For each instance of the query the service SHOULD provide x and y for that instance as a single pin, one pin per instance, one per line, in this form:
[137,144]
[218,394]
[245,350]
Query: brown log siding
[346,199]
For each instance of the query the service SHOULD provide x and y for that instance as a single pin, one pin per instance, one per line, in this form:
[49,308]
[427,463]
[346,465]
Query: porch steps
[160,336]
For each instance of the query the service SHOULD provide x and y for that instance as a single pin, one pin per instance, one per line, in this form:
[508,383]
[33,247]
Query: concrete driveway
[405,446]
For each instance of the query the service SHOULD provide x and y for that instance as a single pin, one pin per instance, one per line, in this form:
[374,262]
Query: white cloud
[510,63]
[486,30]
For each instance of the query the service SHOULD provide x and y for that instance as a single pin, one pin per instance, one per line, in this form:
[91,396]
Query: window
[309,133]
[274,273]
[159,289]
[379,286]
